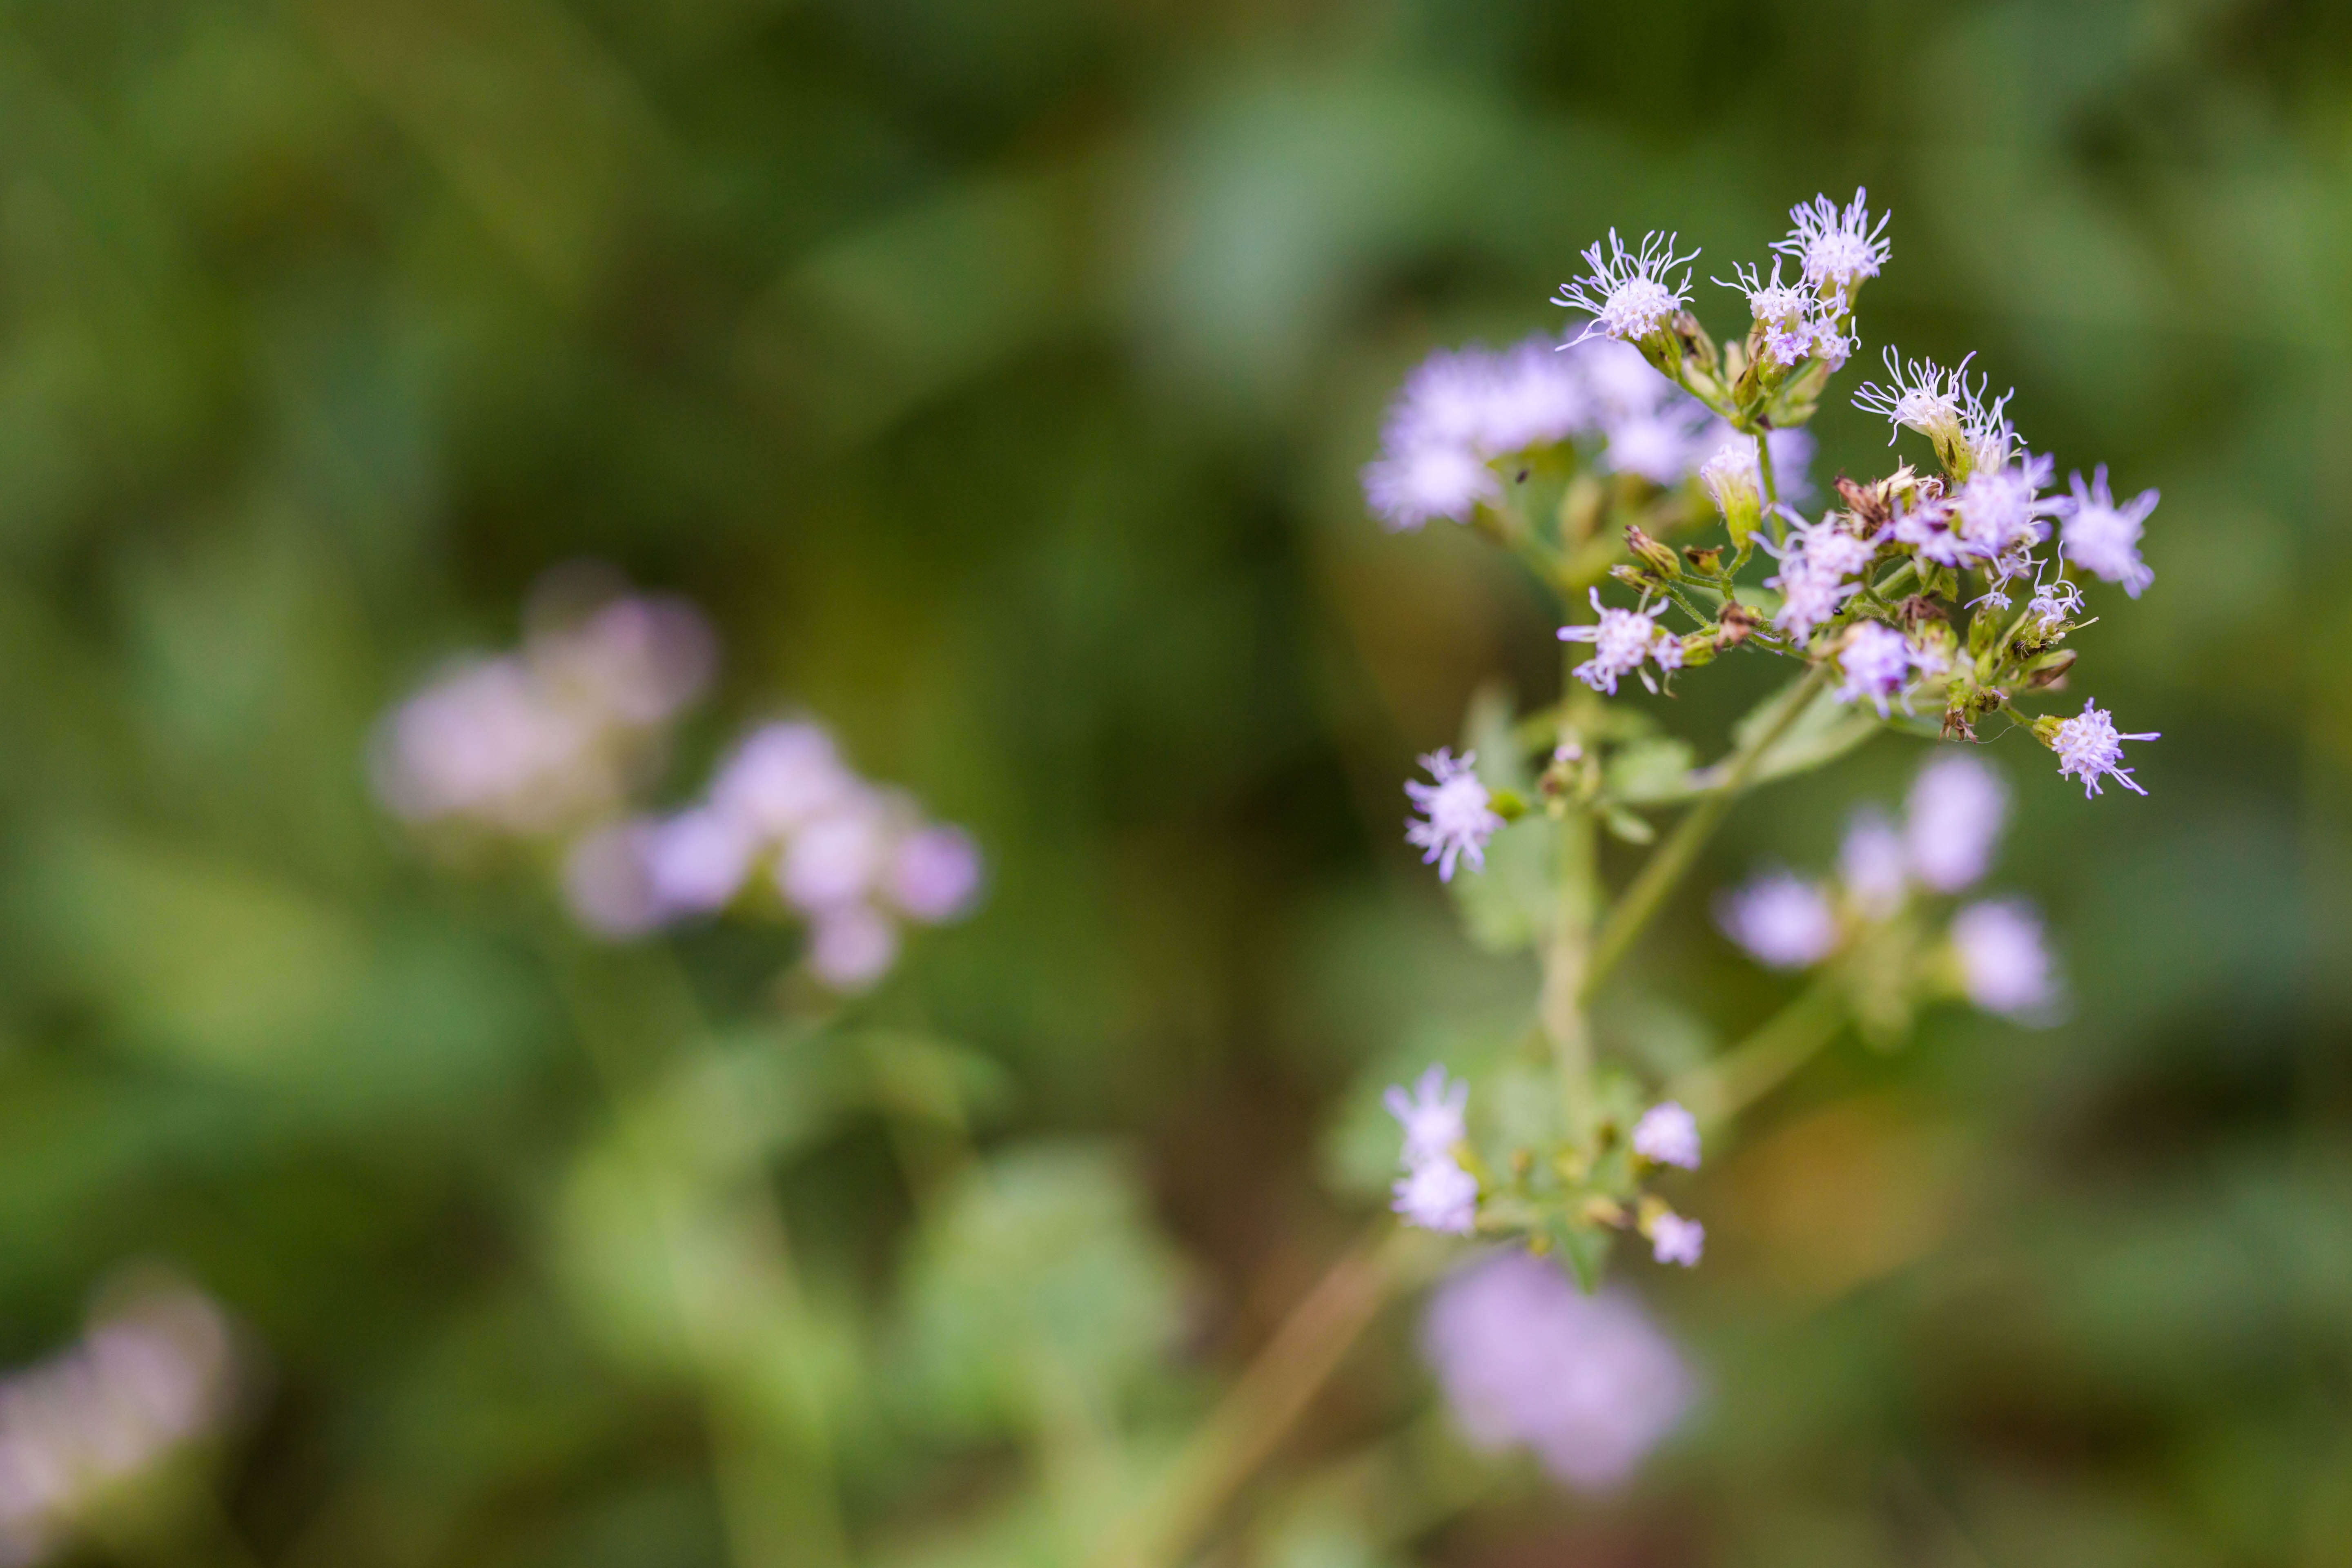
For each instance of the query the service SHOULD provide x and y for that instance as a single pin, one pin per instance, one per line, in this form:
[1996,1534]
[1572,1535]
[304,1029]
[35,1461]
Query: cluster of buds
[553,746]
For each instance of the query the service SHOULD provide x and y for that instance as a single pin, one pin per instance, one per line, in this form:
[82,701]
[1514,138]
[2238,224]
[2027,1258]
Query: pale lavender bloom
[1815,564]
[838,858]
[1876,663]
[2000,509]
[1619,382]
[1781,921]
[1927,525]
[2104,538]
[1922,396]
[1438,1195]
[2054,603]
[482,741]
[852,946]
[1668,1134]
[638,657]
[1872,867]
[1836,249]
[1406,489]
[1431,1115]
[2003,965]
[697,860]
[2090,748]
[934,874]
[1627,294]
[1620,640]
[1456,818]
[1953,819]
[1732,479]
[783,775]
[1673,1239]
[152,1373]
[1447,400]
[1660,447]
[1538,399]
[1525,1358]
[608,885]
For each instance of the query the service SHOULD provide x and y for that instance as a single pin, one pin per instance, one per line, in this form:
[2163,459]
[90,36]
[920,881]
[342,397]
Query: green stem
[1561,1006]
[1667,863]
[1267,1399]
[778,1511]
[1745,1074]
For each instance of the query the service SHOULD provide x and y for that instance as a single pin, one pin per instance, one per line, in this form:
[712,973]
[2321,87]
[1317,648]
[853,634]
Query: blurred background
[995,376]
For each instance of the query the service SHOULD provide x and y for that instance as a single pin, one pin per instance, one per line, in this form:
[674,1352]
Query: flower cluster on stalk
[551,750]
[1883,923]
[1941,598]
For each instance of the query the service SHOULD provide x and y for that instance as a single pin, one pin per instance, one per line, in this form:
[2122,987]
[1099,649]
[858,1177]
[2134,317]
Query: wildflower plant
[1653,480]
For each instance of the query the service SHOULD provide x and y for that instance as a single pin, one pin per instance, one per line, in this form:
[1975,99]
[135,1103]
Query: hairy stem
[1269,1397]
[1667,863]
[1745,1074]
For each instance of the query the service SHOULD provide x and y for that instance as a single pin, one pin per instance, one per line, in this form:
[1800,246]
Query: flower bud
[2047,673]
[2045,729]
[1707,560]
[1635,577]
[1658,557]
[1734,626]
[1733,483]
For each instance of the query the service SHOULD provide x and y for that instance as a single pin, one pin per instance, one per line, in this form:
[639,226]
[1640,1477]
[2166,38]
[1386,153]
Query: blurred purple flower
[1524,1358]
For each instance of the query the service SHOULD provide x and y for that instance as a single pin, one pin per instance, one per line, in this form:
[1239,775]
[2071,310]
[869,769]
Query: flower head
[1876,662]
[934,874]
[1408,487]
[1815,564]
[1668,1134]
[1781,921]
[2104,538]
[1431,1115]
[1938,403]
[2001,509]
[1836,249]
[1456,820]
[1438,1195]
[1627,293]
[1620,640]
[1872,866]
[2089,748]
[1673,1239]
[2003,965]
[1952,820]
[1734,483]
[1526,1358]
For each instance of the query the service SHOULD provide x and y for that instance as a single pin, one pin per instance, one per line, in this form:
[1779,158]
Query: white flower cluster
[1434,1193]
[1461,410]
[153,1375]
[1953,820]
[785,813]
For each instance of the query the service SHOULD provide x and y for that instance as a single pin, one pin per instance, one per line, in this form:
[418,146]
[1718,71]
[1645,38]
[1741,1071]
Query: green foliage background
[996,374]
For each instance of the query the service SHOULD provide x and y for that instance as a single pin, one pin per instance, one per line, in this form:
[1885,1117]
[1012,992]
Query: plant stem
[1561,1006]
[1745,1074]
[1667,863]
[1268,1398]
[778,1511]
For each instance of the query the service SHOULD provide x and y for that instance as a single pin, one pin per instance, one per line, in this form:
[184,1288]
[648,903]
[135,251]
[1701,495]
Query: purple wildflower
[2090,748]
[1668,1134]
